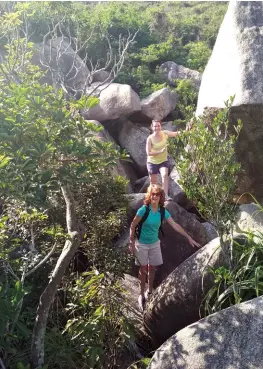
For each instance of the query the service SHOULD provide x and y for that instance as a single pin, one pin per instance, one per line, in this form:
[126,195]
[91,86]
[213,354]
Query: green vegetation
[183,32]
[97,319]
[243,281]
[60,208]
[49,153]
[208,166]
[209,170]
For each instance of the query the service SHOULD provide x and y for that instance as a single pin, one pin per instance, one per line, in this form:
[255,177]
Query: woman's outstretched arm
[180,230]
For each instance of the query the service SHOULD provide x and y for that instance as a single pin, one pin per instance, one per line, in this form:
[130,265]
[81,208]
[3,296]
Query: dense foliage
[52,163]
[183,32]
[208,166]
[243,279]
[48,154]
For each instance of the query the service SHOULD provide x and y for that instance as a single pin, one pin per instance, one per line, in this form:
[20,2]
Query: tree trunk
[71,245]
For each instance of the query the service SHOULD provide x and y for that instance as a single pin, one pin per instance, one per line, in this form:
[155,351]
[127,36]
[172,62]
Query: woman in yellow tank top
[156,148]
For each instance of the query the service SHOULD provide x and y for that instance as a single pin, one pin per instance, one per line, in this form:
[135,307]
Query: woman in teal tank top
[147,248]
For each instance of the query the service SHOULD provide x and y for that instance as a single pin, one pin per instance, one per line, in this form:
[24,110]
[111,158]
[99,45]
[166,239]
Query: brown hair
[148,195]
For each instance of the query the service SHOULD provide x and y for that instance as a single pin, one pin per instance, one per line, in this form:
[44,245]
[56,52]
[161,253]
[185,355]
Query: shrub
[98,320]
[241,282]
[208,167]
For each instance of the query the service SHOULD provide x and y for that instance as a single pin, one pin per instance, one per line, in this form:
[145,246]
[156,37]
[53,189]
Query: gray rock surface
[100,76]
[121,168]
[131,286]
[210,230]
[236,68]
[138,339]
[142,184]
[159,104]
[116,100]
[176,191]
[188,221]
[135,202]
[230,339]
[133,139]
[176,302]
[249,218]
[169,126]
[172,71]
[60,56]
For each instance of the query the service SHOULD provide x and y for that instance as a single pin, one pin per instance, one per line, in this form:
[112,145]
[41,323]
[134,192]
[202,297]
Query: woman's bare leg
[142,278]
[164,175]
[151,275]
[153,178]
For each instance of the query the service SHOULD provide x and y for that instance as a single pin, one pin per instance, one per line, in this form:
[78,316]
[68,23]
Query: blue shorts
[155,168]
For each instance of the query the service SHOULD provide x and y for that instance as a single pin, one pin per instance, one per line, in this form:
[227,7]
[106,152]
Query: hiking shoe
[141,302]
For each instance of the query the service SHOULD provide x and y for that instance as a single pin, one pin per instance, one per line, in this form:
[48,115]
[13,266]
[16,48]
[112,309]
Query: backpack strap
[162,211]
[139,226]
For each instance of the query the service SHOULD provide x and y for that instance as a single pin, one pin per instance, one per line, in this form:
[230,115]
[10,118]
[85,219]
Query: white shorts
[148,254]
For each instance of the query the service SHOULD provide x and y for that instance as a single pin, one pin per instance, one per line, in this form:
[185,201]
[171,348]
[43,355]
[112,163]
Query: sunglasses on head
[156,194]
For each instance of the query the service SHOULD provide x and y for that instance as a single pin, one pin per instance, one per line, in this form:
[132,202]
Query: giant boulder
[172,71]
[133,139]
[59,56]
[230,339]
[249,218]
[115,100]
[159,104]
[176,302]
[176,191]
[236,68]
[121,168]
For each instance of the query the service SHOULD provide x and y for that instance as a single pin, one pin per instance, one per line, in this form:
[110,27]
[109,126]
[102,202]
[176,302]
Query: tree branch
[42,261]
[65,43]
[2,364]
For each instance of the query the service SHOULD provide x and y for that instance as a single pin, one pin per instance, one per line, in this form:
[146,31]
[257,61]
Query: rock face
[100,76]
[236,68]
[121,168]
[249,218]
[115,101]
[211,231]
[159,104]
[142,184]
[131,285]
[133,139]
[60,56]
[172,71]
[176,192]
[176,302]
[232,338]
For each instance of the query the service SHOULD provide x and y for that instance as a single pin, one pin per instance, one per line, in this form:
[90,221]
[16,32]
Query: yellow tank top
[157,146]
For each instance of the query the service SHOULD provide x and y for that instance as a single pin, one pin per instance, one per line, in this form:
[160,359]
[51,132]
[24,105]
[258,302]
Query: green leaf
[18,287]
[82,169]
[4,161]
[26,333]
[46,176]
